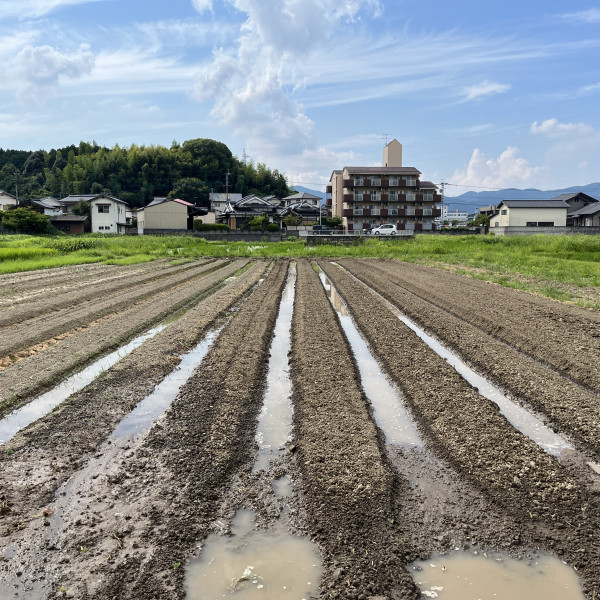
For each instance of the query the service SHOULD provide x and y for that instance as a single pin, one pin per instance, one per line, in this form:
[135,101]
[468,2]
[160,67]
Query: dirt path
[21,380]
[567,337]
[468,432]
[567,406]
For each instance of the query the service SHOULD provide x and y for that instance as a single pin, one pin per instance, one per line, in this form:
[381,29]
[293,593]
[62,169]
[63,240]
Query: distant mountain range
[470,201]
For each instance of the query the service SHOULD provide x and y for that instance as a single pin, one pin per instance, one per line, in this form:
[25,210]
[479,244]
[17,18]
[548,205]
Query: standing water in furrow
[266,564]
[459,574]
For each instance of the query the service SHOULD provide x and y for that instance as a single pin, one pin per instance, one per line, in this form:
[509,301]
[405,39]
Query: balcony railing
[348,198]
[348,183]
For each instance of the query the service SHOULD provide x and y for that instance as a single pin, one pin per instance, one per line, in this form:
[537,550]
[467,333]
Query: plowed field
[84,514]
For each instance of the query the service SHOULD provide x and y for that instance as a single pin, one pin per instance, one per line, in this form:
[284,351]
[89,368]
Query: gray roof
[589,209]
[70,218]
[572,195]
[383,170]
[427,185]
[534,204]
[302,196]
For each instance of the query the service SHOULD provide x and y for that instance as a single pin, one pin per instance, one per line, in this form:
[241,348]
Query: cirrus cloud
[484,89]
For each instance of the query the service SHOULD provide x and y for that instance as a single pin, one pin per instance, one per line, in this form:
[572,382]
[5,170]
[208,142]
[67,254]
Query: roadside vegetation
[563,267]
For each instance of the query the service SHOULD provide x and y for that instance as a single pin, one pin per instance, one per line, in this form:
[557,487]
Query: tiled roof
[70,218]
[383,170]
[302,196]
[534,203]
[590,209]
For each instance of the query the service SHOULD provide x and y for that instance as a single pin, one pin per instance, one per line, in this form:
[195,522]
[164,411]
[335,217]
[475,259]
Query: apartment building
[365,197]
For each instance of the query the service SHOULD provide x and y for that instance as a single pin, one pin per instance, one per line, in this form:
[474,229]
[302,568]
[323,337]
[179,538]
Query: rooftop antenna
[386,137]
[244,156]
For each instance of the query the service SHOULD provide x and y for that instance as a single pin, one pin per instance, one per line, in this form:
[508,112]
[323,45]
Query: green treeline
[136,174]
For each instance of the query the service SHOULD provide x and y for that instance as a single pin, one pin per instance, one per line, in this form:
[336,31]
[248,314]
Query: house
[530,213]
[168,214]
[576,202]
[306,210]
[67,203]
[588,216]
[70,223]
[236,214]
[365,197]
[45,206]
[7,200]
[302,197]
[108,215]
[218,201]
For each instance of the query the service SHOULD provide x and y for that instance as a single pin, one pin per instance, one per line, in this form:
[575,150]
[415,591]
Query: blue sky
[480,94]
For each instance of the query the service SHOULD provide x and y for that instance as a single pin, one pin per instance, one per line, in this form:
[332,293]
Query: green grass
[554,266]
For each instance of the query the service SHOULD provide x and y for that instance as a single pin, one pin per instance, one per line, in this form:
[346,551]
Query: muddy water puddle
[275,420]
[390,413]
[464,576]
[41,406]
[250,563]
[520,418]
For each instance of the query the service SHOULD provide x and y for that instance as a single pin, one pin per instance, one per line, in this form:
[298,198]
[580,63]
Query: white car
[385,229]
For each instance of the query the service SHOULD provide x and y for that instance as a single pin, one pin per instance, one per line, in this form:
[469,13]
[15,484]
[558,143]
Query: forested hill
[136,174]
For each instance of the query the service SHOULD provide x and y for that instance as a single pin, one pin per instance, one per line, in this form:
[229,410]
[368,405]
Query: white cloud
[483,89]
[35,8]
[202,5]
[552,128]
[40,68]
[508,170]
[248,84]
[584,16]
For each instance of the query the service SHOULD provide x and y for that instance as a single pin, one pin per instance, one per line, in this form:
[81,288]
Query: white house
[530,213]
[7,200]
[108,215]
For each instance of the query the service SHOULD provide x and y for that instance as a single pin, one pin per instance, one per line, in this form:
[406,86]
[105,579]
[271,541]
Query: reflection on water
[516,415]
[389,412]
[254,564]
[274,427]
[41,406]
[463,576]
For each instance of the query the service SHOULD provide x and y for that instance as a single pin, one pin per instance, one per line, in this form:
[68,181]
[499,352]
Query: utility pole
[227,184]
[244,156]
[17,187]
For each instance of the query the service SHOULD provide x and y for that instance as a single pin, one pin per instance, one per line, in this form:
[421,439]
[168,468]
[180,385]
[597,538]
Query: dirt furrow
[29,286]
[567,406]
[566,337]
[41,321]
[41,457]
[142,522]
[349,485]
[21,380]
[468,431]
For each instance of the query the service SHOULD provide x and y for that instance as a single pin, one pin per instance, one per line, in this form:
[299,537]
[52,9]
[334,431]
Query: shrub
[25,219]
[199,226]
[272,227]
[291,238]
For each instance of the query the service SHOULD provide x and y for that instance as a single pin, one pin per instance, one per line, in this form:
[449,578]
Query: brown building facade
[365,197]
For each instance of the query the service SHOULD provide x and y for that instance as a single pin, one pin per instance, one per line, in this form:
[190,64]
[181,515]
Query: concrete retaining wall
[545,230]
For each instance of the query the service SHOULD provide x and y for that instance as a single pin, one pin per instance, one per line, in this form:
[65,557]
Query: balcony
[347,212]
[366,197]
[329,189]
[348,198]
[418,212]
[385,183]
[436,212]
[366,212]
[383,212]
[348,183]
[385,198]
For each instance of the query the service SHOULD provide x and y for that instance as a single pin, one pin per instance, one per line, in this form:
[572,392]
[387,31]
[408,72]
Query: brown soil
[21,380]
[566,406]
[86,516]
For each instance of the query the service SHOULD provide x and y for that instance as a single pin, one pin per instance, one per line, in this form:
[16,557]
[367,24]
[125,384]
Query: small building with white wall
[108,215]
[7,200]
[530,213]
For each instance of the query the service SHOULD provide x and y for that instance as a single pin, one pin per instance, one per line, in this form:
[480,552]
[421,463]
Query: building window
[428,196]
[410,196]
[358,196]
[503,212]
[104,208]
[411,181]
[393,211]
[358,181]
[375,196]
[358,211]
[545,223]
[393,196]
[375,181]
[393,181]
[374,209]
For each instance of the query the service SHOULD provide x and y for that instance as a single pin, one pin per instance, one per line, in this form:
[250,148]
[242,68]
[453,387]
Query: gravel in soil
[560,511]
[21,380]
[566,406]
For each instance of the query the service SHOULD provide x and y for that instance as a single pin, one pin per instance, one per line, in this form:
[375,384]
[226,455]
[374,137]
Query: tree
[331,221]
[480,220]
[191,189]
[25,219]
[82,209]
[291,221]
[257,223]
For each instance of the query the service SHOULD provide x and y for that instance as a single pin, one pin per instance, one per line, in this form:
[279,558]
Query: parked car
[385,229]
